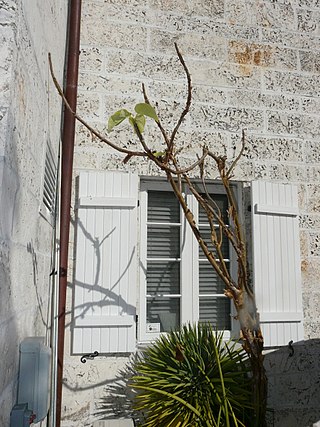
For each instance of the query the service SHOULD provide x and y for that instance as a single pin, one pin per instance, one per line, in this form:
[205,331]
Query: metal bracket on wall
[89,356]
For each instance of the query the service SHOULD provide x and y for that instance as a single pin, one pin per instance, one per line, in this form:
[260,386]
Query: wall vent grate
[50,181]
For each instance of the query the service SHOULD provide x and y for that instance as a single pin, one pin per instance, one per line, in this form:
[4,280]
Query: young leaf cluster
[142,110]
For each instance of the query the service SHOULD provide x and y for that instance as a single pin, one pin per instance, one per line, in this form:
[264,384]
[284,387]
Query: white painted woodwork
[121,422]
[189,264]
[105,321]
[106,263]
[276,261]
[279,210]
[107,202]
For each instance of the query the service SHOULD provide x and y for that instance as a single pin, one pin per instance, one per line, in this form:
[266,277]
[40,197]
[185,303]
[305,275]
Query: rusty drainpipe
[68,134]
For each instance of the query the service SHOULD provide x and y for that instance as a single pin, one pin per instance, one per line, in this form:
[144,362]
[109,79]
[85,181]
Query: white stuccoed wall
[29,116]
[255,65]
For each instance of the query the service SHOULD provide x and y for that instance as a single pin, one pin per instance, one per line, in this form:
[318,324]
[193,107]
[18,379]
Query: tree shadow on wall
[43,312]
[118,398]
[294,385]
[293,388]
[108,297]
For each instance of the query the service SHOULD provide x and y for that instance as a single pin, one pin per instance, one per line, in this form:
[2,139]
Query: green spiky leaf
[117,118]
[146,110]
[208,387]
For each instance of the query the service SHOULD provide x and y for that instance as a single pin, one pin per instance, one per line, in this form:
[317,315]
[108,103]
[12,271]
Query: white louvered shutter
[106,263]
[276,261]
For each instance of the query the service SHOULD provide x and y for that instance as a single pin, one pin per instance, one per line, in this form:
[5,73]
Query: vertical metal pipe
[51,420]
[68,134]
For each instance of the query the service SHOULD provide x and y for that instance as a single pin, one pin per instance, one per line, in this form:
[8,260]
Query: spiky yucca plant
[192,378]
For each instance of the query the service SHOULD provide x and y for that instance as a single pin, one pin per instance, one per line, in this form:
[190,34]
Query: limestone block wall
[254,65]
[29,119]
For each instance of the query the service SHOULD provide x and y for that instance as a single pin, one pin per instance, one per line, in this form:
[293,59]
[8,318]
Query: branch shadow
[76,388]
[108,296]
[34,260]
[117,402]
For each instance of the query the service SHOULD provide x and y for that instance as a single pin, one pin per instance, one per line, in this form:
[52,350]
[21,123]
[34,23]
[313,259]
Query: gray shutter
[106,263]
[276,261]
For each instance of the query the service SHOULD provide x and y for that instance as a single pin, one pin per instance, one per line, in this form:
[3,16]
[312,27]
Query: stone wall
[29,118]
[254,65]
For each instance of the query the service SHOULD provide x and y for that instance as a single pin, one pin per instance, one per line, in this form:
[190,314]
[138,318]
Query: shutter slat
[107,202]
[276,262]
[279,210]
[106,265]
[105,321]
[285,316]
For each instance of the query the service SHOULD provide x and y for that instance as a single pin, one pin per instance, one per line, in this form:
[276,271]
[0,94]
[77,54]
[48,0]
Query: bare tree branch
[236,288]
[229,172]
[162,130]
[82,121]
[189,97]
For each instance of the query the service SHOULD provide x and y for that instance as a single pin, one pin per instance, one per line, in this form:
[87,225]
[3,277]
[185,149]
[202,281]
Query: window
[121,249]
[177,283]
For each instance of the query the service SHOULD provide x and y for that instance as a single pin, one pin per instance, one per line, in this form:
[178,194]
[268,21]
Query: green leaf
[117,118]
[132,121]
[138,121]
[146,110]
[158,153]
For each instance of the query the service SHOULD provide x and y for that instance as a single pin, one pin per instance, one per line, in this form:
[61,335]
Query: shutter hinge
[137,333]
[138,202]
[291,349]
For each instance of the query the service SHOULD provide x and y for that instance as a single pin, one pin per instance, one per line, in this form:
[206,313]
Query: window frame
[189,291]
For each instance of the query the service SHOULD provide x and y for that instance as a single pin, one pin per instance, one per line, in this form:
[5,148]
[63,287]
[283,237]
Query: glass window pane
[216,311]
[163,241]
[209,281]
[165,312]
[163,206]
[163,278]
[222,203]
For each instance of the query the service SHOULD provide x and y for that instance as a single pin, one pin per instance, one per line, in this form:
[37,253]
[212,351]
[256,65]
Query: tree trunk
[259,390]
[253,345]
